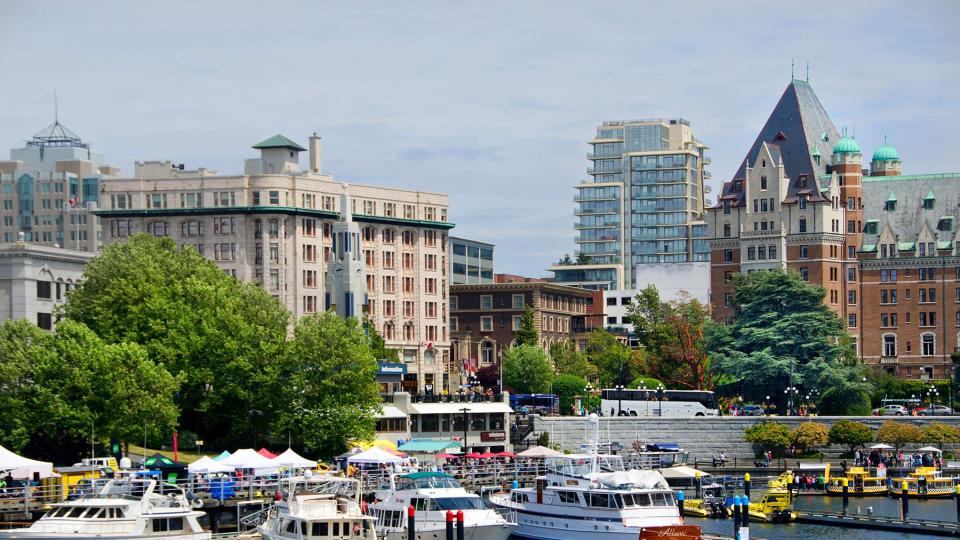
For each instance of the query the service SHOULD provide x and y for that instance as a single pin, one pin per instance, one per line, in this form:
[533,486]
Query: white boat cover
[289,458]
[539,452]
[634,477]
[21,467]
[248,458]
[375,455]
[682,471]
[206,465]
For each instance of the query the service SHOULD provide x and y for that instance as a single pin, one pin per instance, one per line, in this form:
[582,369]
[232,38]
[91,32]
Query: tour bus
[543,404]
[672,403]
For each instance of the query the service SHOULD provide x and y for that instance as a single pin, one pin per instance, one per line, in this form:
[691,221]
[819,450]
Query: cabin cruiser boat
[123,508]
[589,496]
[324,507]
[432,495]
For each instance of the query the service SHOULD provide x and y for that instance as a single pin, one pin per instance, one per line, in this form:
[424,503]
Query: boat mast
[595,442]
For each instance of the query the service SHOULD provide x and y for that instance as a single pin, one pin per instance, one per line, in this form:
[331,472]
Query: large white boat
[432,495]
[123,508]
[325,507]
[589,496]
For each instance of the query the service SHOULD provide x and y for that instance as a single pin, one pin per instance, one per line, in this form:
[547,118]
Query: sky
[490,102]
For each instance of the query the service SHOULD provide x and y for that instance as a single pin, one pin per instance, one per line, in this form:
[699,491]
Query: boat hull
[14,534]
[479,532]
[865,492]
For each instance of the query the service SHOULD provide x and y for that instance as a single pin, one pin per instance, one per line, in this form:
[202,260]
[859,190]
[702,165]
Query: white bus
[672,403]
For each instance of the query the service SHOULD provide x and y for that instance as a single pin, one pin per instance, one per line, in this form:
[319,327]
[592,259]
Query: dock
[881,523]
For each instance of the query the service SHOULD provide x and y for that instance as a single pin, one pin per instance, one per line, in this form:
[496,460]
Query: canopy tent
[930,449]
[504,454]
[266,453]
[473,455]
[351,452]
[375,455]
[380,443]
[681,471]
[21,467]
[223,455]
[539,452]
[205,465]
[291,459]
[248,458]
[448,456]
[881,446]
[428,445]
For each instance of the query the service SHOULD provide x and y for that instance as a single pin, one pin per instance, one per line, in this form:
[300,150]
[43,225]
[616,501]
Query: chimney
[314,153]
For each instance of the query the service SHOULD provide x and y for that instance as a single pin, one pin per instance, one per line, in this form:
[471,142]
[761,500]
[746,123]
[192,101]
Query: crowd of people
[886,458]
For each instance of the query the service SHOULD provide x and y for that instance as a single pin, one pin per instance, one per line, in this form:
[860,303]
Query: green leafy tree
[328,384]
[220,336]
[612,359]
[771,436]
[567,360]
[527,370]
[810,435]
[851,434]
[583,258]
[899,433]
[567,388]
[527,334]
[939,433]
[672,334]
[783,334]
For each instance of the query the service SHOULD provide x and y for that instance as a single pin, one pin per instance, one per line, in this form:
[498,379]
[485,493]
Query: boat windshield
[426,482]
[583,465]
[459,503]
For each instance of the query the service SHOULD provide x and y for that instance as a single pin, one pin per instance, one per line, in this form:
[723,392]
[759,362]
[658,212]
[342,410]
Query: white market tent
[930,449]
[21,467]
[289,458]
[881,446]
[248,458]
[375,455]
[205,465]
[539,452]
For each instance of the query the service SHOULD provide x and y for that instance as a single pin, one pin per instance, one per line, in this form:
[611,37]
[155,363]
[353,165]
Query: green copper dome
[846,145]
[886,153]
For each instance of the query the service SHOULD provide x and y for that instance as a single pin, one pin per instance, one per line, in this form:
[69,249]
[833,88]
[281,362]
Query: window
[805,274]
[486,324]
[274,198]
[516,322]
[803,225]
[889,345]
[453,324]
[851,297]
[728,255]
[389,259]
[928,203]
[890,206]
[389,284]
[927,345]
[804,252]
[726,230]
[121,228]
[728,277]
[763,182]
[309,227]
[751,253]
[772,252]
[224,198]
[486,301]
[389,236]
[517,301]
[225,252]
[369,234]
[728,300]
[454,303]
[409,238]
[223,225]
[191,228]
[44,290]
[408,285]
[726,207]
[157,228]
[851,274]
[310,278]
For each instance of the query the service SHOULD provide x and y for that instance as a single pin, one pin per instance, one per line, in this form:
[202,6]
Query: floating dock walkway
[881,523]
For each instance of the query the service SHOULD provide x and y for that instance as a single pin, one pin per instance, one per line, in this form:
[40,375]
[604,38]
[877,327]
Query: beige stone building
[273,225]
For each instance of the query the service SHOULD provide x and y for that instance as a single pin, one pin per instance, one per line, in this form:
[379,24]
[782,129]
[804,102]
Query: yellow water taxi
[859,482]
[924,483]
[773,507]
[712,505]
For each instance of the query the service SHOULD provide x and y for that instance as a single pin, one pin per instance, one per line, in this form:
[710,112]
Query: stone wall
[701,436]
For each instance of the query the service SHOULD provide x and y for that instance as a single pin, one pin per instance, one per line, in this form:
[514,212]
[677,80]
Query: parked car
[752,410]
[936,410]
[891,410]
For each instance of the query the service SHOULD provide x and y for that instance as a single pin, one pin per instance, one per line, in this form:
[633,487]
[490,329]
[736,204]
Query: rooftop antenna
[792,74]
[854,124]
[56,109]
[808,72]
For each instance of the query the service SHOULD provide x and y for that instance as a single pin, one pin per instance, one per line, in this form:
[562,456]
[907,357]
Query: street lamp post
[646,397]
[465,410]
[619,388]
[790,391]
[587,390]
[660,391]
[932,394]
[766,405]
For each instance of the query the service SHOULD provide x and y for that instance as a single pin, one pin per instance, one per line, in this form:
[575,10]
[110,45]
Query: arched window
[889,345]
[928,344]
[428,356]
[486,353]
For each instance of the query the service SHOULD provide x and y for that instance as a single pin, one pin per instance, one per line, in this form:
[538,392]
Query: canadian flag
[73,202]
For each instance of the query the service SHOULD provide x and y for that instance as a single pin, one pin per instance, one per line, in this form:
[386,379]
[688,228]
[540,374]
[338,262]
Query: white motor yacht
[432,495]
[589,496]
[123,508]
[324,507]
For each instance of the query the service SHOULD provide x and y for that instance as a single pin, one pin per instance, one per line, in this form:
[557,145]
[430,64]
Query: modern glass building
[643,202]
[471,262]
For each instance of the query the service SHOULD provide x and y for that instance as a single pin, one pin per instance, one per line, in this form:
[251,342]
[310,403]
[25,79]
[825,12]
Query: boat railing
[508,514]
[255,519]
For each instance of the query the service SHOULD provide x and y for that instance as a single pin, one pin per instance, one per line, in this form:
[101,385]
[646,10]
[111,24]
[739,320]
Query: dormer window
[802,181]
[890,206]
[928,201]
[726,207]
[803,202]
[945,224]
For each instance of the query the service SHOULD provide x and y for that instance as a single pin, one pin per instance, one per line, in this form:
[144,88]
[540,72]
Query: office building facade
[471,261]
[274,225]
[643,203]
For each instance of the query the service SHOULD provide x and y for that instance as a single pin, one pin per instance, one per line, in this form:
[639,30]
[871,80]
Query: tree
[527,370]
[649,382]
[611,358]
[567,360]
[899,433]
[672,333]
[810,435]
[328,384]
[221,337]
[527,334]
[850,433]
[939,433]
[567,388]
[489,376]
[583,258]
[783,335]
[771,436]
[60,386]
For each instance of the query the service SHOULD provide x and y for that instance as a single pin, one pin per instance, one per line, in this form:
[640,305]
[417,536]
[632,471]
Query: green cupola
[886,153]
[846,145]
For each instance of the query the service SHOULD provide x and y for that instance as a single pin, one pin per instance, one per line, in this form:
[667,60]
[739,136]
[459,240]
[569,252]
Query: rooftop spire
[808,72]
[792,71]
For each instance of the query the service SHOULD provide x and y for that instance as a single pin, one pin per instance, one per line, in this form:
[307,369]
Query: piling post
[411,523]
[736,516]
[744,517]
[449,524]
[681,497]
[846,494]
[904,501]
[460,525]
[746,485]
[958,504]
[699,483]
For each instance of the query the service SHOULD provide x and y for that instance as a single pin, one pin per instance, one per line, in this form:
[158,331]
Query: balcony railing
[888,360]
[761,234]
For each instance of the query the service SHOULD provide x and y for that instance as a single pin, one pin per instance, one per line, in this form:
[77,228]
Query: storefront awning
[428,445]
[456,408]
[390,411]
